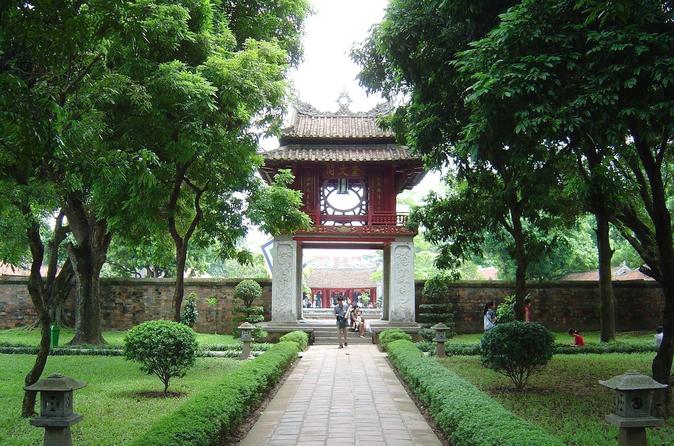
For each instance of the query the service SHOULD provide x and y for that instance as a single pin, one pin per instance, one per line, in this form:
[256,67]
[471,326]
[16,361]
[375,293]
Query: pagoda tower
[349,171]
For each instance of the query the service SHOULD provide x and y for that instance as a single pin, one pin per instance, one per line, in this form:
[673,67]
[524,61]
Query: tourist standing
[658,336]
[527,309]
[342,315]
[489,316]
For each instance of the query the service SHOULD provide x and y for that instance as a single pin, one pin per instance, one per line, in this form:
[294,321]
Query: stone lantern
[246,337]
[632,410]
[440,338]
[56,408]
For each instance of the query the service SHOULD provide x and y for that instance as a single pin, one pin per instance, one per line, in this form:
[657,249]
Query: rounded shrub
[247,291]
[436,289]
[298,337]
[163,348]
[517,350]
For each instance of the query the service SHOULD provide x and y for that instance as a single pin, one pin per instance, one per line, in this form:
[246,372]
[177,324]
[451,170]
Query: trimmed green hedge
[433,318]
[298,337]
[465,414]
[392,334]
[559,349]
[228,350]
[432,308]
[210,416]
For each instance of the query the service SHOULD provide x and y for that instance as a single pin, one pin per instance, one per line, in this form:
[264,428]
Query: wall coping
[22,280]
[506,284]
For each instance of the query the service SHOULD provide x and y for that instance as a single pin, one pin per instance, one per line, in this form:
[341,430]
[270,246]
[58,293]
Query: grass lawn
[23,336]
[565,398]
[591,337]
[113,411]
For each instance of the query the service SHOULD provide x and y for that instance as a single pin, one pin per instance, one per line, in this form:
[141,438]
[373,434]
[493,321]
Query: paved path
[341,397]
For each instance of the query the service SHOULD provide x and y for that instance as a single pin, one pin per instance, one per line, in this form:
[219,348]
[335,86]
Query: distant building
[351,277]
[622,272]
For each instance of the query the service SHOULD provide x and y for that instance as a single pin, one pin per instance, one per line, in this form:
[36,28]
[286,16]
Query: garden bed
[116,404]
[565,399]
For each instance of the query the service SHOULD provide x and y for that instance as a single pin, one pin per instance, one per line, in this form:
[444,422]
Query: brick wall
[127,302]
[559,305]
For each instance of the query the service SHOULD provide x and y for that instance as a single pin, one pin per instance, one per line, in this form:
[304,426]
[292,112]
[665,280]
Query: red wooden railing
[377,218]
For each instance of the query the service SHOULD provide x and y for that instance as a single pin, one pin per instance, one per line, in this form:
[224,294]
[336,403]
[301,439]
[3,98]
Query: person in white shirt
[658,336]
[489,316]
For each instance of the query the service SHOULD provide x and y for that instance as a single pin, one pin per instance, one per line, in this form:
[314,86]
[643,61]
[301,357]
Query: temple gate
[349,171]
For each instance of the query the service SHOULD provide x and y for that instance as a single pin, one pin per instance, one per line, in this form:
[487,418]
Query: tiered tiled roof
[342,124]
[340,153]
[341,136]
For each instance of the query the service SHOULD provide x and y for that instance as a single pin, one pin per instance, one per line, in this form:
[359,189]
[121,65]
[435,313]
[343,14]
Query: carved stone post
[285,288]
[401,281]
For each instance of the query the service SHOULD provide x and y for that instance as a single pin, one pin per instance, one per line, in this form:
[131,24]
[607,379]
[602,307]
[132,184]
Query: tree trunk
[605,253]
[36,291]
[520,261]
[662,222]
[179,291]
[87,258]
[28,405]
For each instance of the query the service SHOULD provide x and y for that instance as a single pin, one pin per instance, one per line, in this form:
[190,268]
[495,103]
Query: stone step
[350,340]
[333,334]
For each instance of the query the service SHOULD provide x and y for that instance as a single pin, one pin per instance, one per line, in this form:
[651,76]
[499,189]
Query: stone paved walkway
[322,403]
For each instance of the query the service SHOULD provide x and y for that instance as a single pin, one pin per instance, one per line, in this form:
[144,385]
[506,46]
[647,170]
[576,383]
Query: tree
[213,88]
[166,349]
[413,52]
[517,350]
[50,134]
[606,77]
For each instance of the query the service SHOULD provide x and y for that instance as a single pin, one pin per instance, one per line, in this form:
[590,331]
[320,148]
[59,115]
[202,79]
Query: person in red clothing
[527,309]
[578,340]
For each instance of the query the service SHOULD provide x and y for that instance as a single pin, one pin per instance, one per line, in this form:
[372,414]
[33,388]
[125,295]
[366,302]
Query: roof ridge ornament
[344,101]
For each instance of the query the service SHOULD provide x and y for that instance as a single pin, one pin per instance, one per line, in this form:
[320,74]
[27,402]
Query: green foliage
[467,416]
[517,350]
[434,318]
[277,208]
[215,412]
[505,311]
[163,348]
[298,337]
[247,291]
[117,398]
[436,289]
[190,313]
[392,334]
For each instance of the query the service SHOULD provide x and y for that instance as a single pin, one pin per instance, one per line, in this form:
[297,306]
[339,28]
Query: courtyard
[320,222]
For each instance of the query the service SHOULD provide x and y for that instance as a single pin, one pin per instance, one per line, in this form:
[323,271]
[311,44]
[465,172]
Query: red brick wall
[559,305]
[127,302]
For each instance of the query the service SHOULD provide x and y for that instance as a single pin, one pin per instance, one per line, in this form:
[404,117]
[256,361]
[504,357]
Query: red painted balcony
[376,218]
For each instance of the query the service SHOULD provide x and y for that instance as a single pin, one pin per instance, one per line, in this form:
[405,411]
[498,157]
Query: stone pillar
[385,297]
[401,281]
[285,288]
[298,280]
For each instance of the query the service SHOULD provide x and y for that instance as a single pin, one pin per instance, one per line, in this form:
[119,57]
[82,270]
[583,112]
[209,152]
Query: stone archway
[398,275]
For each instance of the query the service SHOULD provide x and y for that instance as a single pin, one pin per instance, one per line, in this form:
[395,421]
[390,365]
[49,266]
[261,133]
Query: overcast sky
[327,69]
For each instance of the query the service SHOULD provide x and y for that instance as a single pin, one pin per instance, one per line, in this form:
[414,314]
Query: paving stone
[341,397]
